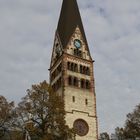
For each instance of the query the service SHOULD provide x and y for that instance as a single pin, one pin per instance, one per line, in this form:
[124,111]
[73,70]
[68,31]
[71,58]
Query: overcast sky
[112,27]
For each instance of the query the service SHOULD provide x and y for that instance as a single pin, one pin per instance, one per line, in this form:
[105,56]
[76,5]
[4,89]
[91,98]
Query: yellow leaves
[30,126]
[43,85]
[39,111]
[5,110]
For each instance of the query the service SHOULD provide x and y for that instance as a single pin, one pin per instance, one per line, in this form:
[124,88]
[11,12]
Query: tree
[119,133]
[132,124]
[104,136]
[42,114]
[6,115]
[131,128]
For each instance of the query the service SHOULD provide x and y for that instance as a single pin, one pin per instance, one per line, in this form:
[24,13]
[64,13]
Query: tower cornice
[78,58]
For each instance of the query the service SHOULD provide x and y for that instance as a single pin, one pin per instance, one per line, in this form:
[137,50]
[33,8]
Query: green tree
[119,133]
[104,136]
[6,115]
[41,113]
[131,128]
[132,124]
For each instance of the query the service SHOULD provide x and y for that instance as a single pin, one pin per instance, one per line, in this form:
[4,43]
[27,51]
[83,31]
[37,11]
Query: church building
[72,73]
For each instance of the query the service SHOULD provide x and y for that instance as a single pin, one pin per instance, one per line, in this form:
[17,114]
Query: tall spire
[69,19]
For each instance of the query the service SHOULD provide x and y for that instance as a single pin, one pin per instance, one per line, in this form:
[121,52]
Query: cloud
[113,34]
[27,31]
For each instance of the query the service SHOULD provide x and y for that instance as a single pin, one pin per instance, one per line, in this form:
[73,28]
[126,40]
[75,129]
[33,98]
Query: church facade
[72,73]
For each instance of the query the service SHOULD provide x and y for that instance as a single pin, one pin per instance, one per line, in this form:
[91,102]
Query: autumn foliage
[40,114]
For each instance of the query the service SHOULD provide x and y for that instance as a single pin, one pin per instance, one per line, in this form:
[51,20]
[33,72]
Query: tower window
[72,66]
[87,71]
[70,80]
[84,70]
[75,81]
[87,84]
[68,66]
[82,83]
[75,67]
[80,53]
[81,69]
[77,52]
[73,98]
[86,101]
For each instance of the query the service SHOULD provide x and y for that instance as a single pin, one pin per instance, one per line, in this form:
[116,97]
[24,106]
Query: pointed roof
[69,19]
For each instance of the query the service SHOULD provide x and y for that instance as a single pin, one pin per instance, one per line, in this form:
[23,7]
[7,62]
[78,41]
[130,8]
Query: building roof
[69,19]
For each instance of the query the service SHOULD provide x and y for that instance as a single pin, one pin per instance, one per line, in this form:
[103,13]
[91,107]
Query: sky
[27,29]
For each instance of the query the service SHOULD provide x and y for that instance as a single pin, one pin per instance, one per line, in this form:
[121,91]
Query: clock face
[77,43]
[81,127]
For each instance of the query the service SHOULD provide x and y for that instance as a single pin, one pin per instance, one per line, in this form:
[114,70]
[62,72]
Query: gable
[70,48]
[57,50]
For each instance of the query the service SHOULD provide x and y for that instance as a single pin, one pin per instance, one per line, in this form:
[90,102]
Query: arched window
[82,83]
[81,69]
[80,53]
[87,84]
[87,71]
[68,66]
[75,67]
[72,66]
[75,81]
[70,80]
[84,70]
[77,52]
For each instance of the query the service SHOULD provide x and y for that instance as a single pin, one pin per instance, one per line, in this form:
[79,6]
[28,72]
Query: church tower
[71,72]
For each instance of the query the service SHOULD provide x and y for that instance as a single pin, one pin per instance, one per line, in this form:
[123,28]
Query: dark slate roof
[68,21]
